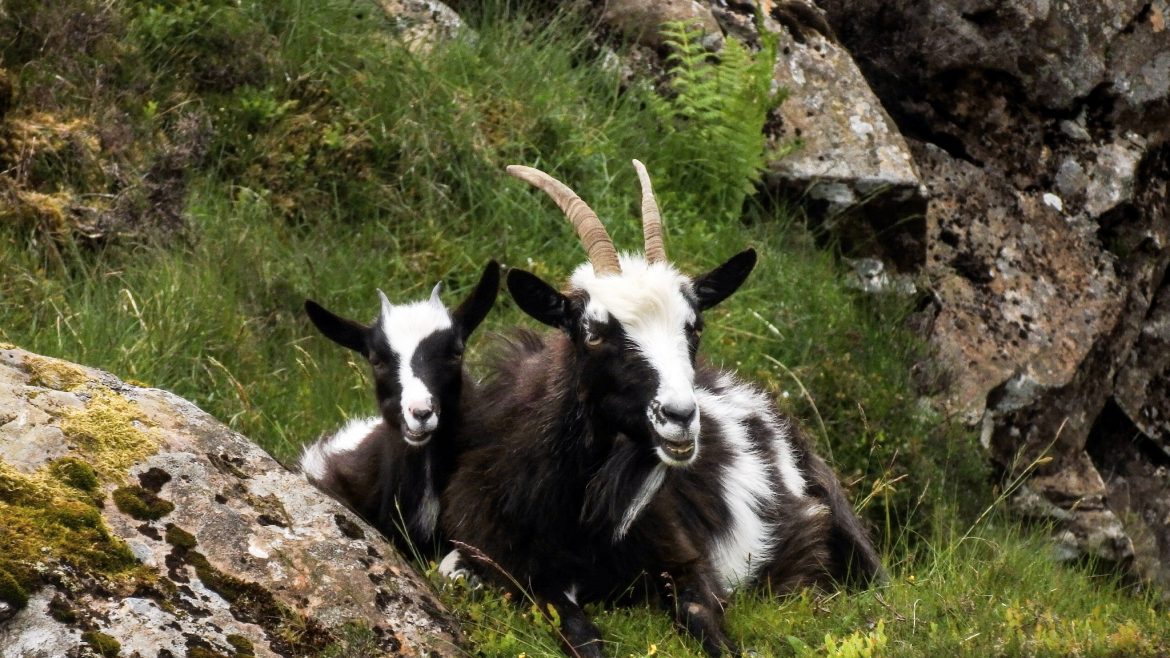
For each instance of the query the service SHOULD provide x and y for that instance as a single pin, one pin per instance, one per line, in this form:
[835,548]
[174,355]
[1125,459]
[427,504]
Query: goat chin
[415,439]
[679,450]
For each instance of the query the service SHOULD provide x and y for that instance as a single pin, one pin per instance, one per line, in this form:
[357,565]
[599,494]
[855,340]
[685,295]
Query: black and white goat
[613,454]
[392,468]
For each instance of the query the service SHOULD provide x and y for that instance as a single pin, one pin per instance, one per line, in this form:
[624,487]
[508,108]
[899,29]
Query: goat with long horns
[614,457]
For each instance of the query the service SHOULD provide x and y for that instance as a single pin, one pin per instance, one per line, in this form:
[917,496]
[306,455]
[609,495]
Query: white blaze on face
[649,302]
[405,327]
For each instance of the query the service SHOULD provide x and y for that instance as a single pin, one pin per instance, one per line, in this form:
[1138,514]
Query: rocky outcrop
[853,171]
[1040,132]
[131,519]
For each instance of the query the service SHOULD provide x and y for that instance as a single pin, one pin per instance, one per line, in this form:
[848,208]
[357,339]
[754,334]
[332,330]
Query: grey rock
[423,24]
[1143,383]
[853,167]
[1061,52]
[870,275]
[641,21]
[254,524]
[32,633]
[1111,175]
[1023,293]
[1040,131]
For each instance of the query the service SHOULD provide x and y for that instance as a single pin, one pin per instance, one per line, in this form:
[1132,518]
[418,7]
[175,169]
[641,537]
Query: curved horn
[651,218]
[594,237]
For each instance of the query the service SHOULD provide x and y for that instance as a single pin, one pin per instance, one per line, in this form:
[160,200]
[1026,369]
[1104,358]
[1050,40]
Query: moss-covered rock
[258,540]
[75,473]
[242,645]
[112,431]
[180,538]
[11,591]
[55,374]
[102,644]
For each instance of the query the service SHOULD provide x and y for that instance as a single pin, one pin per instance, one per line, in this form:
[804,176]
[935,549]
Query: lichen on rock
[231,555]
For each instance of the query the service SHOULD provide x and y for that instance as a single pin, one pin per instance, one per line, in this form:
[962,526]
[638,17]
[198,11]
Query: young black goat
[392,468]
[612,456]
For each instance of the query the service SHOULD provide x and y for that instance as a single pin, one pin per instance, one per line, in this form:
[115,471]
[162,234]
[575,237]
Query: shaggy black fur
[565,451]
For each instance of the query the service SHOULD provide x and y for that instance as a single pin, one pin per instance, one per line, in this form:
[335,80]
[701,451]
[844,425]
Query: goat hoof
[456,574]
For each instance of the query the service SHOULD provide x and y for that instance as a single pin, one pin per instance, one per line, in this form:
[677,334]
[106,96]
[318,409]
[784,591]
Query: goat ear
[475,308]
[538,299]
[342,331]
[718,284]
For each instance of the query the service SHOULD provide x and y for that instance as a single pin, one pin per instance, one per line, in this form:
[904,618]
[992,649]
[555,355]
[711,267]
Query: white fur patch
[650,486]
[405,326]
[747,492]
[648,300]
[754,402]
[314,460]
[451,567]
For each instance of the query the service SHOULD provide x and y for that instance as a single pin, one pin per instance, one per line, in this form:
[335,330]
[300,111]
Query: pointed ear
[718,284]
[342,331]
[475,308]
[538,299]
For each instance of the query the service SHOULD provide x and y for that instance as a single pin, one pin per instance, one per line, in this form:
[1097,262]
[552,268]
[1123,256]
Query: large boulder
[1040,132]
[129,518]
[830,145]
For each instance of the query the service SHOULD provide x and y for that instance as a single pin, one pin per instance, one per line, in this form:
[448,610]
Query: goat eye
[593,340]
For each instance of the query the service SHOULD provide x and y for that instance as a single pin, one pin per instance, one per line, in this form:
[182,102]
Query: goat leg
[698,610]
[580,637]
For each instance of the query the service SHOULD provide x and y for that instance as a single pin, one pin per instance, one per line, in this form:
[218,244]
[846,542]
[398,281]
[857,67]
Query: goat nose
[421,415]
[681,413]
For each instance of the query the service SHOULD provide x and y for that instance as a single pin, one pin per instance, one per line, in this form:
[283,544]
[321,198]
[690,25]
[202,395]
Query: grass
[995,593]
[314,156]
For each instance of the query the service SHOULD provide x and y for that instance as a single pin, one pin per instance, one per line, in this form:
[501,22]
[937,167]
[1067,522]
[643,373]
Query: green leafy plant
[713,118]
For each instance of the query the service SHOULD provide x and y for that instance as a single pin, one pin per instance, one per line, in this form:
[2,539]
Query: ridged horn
[651,218]
[594,237]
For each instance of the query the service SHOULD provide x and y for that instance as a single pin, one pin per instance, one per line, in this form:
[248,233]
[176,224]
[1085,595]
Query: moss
[75,473]
[110,431]
[11,591]
[142,504]
[53,373]
[102,644]
[60,610]
[203,652]
[242,645]
[180,538]
[48,520]
[75,515]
